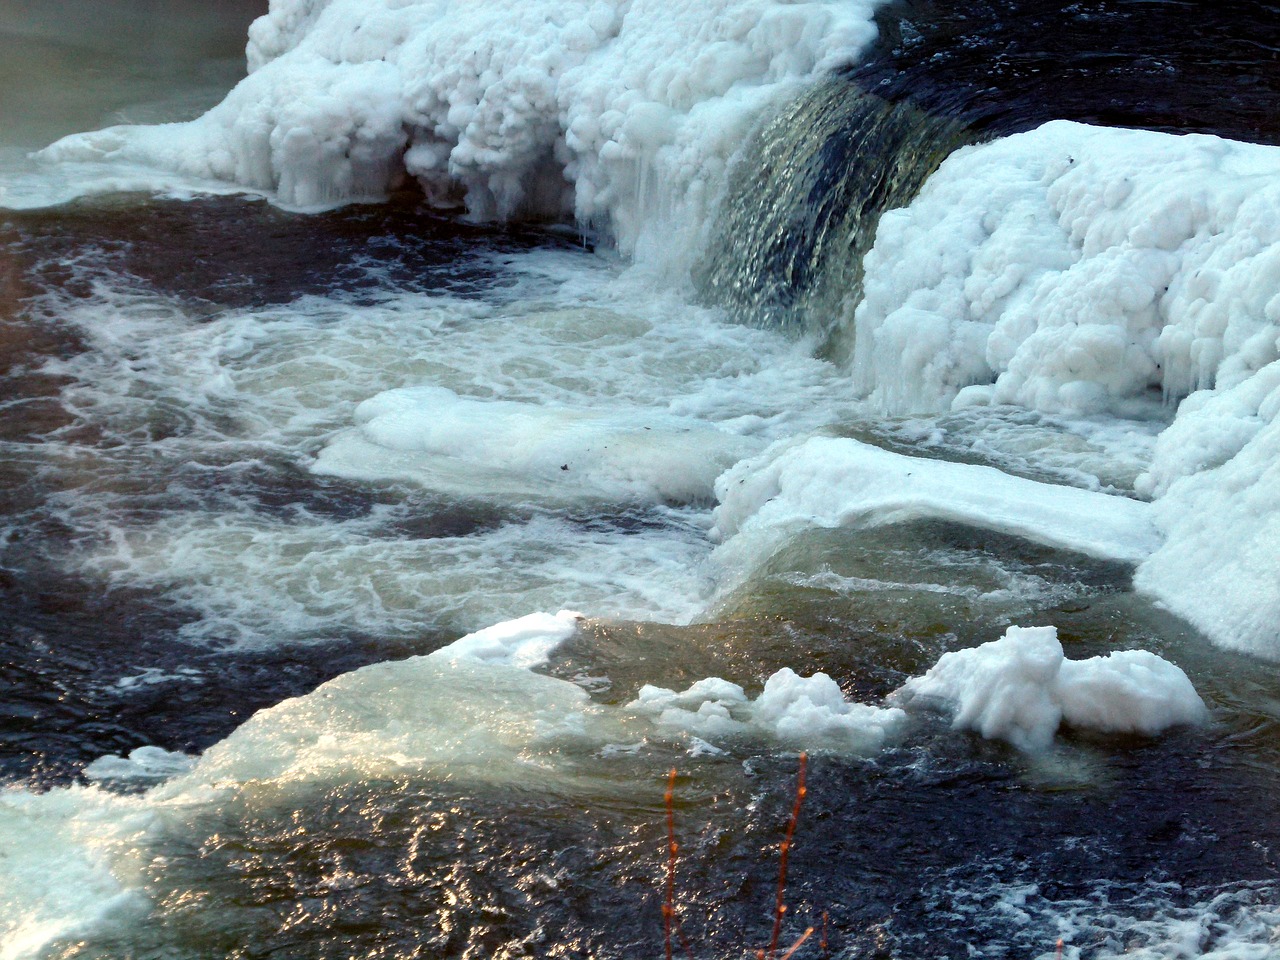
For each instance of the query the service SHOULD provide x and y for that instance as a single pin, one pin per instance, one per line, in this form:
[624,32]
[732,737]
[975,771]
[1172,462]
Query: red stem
[780,908]
[669,907]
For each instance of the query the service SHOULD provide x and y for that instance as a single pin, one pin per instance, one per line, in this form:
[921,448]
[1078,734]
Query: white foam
[834,482]
[1021,687]
[622,114]
[567,360]
[1110,921]
[809,713]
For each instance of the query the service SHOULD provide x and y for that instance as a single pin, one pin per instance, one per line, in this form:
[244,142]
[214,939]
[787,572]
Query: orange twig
[780,909]
[825,917]
[1058,954]
[798,944]
[669,907]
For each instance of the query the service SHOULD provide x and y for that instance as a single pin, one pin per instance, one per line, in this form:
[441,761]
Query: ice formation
[833,482]
[143,763]
[1021,687]
[1082,270]
[603,109]
[447,442]
[805,712]
[526,642]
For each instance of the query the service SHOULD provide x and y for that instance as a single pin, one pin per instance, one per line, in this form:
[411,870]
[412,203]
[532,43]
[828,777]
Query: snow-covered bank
[1081,270]
[621,114]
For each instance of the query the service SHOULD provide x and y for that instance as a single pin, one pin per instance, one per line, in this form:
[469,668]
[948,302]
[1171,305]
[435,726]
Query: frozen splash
[622,115]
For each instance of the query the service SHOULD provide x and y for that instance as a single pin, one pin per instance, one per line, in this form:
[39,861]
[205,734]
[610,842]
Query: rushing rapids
[414,452]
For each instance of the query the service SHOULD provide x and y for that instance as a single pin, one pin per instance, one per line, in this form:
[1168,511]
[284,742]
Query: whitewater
[423,433]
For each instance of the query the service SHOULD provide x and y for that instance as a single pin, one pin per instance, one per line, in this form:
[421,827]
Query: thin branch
[669,906]
[780,908]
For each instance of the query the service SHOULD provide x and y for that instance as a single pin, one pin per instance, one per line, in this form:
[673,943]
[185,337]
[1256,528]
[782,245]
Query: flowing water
[247,450]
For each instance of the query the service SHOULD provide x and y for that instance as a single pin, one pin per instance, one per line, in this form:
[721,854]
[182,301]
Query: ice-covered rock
[836,482]
[1021,688]
[618,112]
[1084,270]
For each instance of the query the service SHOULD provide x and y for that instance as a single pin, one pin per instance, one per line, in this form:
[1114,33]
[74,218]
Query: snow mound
[608,110]
[1075,269]
[804,712]
[1079,270]
[1021,688]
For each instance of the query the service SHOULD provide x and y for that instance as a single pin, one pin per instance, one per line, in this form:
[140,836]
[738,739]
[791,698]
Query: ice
[1083,271]
[432,436]
[143,763]
[474,712]
[835,482]
[526,642]
[1021,688]
[621,113]
[68,870]
[799,712]
[1074,269]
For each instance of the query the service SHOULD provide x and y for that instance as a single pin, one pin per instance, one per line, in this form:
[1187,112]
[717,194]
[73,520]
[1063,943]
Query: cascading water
[803,202]
[947,464]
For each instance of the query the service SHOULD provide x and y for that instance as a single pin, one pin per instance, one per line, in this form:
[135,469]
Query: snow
[1074,269]
[1021,688]
[525,642]
[433,436]
[622,113]
[802,712]
[1078,270]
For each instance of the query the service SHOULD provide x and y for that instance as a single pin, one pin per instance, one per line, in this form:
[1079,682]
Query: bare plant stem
[669,907]
[798,944]
[780,908]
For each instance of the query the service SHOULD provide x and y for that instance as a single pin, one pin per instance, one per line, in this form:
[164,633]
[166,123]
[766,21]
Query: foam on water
[1156,921]
[480,403]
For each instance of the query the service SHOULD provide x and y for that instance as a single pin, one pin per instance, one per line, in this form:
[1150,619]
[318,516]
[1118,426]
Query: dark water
[1004,66]
[69,641]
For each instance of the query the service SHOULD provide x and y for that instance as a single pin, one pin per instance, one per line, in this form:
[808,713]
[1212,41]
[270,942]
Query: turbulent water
[408,459]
